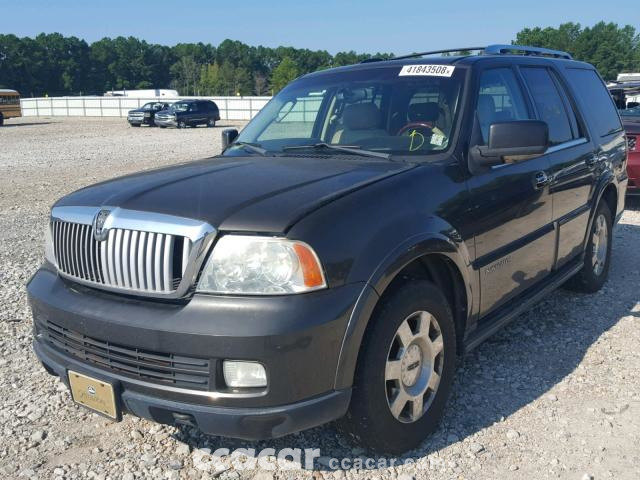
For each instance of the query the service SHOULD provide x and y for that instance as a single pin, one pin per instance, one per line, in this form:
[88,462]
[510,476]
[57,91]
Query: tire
[597,258]
[378,385]
[182,124]
[1,119]
[162,126]
[134,124]
[211,123]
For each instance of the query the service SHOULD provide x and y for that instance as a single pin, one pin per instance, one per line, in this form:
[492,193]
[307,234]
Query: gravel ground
[554,395]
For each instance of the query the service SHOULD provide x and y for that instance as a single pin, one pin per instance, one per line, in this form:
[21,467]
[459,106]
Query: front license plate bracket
[95,394]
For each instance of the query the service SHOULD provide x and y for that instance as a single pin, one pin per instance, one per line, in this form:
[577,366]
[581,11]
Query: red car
[633,165]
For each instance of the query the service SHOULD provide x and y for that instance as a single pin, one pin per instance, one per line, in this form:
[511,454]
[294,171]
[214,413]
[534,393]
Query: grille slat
[167,264]
[178,370]
[75,245]
[149,261]
[128,259]
[94,277]
[186,250]
[111,269]
[133,251]
[141,271]
[85,251]
[158,261]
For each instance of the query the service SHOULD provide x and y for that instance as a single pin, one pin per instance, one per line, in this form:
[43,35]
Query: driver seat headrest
[361,116]
[423,112]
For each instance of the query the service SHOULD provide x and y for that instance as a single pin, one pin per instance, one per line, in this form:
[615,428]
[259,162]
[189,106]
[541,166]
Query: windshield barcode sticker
[428,70]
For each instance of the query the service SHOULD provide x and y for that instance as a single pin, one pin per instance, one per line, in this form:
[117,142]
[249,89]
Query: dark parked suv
[145,115]
[189,113]
[370,224]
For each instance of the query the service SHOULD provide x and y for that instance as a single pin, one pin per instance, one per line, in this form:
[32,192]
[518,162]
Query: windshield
[180,107]
[152,106]
[406,110]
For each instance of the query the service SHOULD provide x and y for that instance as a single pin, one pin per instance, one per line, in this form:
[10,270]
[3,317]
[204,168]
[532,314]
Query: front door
[511,205]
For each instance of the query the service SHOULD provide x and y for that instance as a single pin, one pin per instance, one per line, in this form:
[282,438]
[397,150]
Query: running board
[527,302]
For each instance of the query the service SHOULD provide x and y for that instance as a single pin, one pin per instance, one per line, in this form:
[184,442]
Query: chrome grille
[127,259]
[632,143]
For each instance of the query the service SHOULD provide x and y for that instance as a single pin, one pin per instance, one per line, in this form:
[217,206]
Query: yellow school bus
[9,104]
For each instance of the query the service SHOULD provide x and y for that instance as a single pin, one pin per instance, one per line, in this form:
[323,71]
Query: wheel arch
[435,257]
[610,195]
[605,191]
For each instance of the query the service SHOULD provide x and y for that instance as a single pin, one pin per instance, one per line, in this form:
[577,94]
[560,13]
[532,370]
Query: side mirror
[228,136]
[520,138]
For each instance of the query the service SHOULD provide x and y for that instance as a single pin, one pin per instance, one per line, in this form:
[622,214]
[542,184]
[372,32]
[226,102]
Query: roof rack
[433,52]
[490,50]
[543,52]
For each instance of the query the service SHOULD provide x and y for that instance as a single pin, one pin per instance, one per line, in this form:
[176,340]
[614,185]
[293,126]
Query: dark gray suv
[369,225]
[189,113]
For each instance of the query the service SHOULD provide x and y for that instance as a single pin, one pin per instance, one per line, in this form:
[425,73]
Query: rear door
[511,204]
[572,156]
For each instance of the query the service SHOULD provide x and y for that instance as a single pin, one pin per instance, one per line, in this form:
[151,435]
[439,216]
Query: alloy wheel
[414,366]
[600,240]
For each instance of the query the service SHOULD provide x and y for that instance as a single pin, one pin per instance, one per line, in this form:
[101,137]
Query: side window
[549,104]
[500,99]
[194,107]
[595,99]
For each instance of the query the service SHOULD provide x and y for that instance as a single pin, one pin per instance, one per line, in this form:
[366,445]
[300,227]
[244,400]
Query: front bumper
[166,122]
[297,338]
[246,423]
[140,120]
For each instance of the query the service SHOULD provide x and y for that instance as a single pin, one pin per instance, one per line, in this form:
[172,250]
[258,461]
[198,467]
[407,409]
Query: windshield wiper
[250,147]
[358,150]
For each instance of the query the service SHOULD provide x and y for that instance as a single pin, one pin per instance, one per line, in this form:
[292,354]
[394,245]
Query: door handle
[541,180]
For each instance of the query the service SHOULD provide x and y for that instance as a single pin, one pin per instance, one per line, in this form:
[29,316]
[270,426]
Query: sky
[366,26]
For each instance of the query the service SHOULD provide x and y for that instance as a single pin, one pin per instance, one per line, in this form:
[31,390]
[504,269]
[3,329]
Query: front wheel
[597,258]
[182,124]
[211,123]
[405,370]
[1,120]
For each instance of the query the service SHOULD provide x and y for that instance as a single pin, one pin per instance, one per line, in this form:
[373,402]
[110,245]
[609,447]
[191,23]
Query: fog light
[244,374]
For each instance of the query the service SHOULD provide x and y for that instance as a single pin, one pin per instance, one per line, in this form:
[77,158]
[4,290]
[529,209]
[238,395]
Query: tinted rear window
[596,101]
[549,104]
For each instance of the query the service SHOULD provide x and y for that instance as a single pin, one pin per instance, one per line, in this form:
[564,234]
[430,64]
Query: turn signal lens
[311,271]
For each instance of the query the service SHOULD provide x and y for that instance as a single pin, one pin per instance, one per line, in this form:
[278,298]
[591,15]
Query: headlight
[261,266]
[49,254]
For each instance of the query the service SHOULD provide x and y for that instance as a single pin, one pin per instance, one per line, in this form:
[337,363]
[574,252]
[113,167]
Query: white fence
[231,108]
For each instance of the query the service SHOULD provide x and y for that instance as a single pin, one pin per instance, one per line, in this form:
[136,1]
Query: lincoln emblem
[99,232]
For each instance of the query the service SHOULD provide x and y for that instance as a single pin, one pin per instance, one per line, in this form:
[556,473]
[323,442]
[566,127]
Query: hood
[139,110]
[259,194]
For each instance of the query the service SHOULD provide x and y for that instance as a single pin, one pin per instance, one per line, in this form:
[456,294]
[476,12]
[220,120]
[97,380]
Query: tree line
[52,64]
